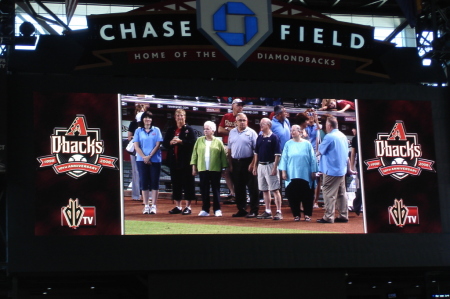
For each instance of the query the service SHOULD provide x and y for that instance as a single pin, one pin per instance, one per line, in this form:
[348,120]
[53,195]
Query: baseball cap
[237,101]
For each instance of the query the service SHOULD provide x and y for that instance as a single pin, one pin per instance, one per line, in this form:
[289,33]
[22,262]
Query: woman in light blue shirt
[147,140]
[299,166]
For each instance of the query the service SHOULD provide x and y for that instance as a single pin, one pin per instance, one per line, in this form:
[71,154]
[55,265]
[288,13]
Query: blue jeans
[149,175]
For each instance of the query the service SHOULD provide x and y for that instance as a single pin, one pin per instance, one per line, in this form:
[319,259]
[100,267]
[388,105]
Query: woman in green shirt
[209,160]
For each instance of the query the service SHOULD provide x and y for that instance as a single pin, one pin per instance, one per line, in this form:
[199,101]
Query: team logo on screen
[401,215]
[77,150]
[74,215]
[235,28]
[398,154]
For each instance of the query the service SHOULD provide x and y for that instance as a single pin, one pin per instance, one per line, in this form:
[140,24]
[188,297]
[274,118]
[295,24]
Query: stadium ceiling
[429,17]
[362,7]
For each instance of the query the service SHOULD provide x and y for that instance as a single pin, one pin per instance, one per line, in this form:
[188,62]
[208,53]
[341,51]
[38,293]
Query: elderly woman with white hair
[209,160]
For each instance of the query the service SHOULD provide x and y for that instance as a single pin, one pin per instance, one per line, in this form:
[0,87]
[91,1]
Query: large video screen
[87,183]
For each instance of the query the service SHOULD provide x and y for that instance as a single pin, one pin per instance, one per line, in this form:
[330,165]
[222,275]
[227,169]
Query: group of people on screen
[309,157]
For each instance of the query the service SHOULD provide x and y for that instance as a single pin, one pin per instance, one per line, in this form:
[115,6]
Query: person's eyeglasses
[310,113]
[241,119]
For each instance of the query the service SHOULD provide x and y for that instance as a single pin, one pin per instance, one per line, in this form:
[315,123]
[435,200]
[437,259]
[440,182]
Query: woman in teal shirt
[299,166]
[208,161]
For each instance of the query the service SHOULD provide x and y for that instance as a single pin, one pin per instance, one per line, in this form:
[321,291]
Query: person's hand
[274,170]
[351,171]
[147,159]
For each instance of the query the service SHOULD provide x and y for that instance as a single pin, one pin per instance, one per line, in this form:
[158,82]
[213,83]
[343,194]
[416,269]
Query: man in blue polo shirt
[241,147]
[333,165]
[265,165]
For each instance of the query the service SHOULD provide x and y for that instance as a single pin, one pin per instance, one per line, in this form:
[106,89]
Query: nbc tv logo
[74,215]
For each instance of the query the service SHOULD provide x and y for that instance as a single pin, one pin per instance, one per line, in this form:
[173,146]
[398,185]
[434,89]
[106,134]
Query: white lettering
[167,26]
[410,150]
[204,54]
[149,30]
[83,147]
[103,33]
[412,219]
[88,220]
[318,35]
[60,145]
[301,34]
[335,41]
[124,31]
[285,31]
[353,38]
[184,25]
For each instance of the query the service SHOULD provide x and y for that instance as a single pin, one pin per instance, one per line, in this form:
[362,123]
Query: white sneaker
[146,210]
[203,214]
[218,213]
[153,210]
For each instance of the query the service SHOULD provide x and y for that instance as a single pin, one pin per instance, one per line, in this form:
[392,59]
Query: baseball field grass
[133,227]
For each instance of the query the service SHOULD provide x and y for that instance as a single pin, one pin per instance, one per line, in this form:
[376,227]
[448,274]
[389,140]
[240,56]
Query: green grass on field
[168,228]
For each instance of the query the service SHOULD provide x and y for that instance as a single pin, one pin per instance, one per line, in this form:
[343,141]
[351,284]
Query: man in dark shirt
[265,165]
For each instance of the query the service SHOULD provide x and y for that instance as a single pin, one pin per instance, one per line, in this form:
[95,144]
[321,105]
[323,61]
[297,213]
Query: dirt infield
[133,211]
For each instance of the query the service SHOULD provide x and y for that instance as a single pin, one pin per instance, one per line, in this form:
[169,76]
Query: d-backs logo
[74,215]
[401,215]
[398,154]
[77,150]
[235,28]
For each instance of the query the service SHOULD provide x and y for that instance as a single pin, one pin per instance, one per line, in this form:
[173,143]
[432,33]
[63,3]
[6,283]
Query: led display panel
[84,175]
[77,186]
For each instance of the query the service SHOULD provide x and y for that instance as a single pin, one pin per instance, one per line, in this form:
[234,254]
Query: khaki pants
[334,197]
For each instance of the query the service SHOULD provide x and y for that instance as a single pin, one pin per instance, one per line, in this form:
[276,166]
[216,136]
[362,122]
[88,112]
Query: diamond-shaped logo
[237,29]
